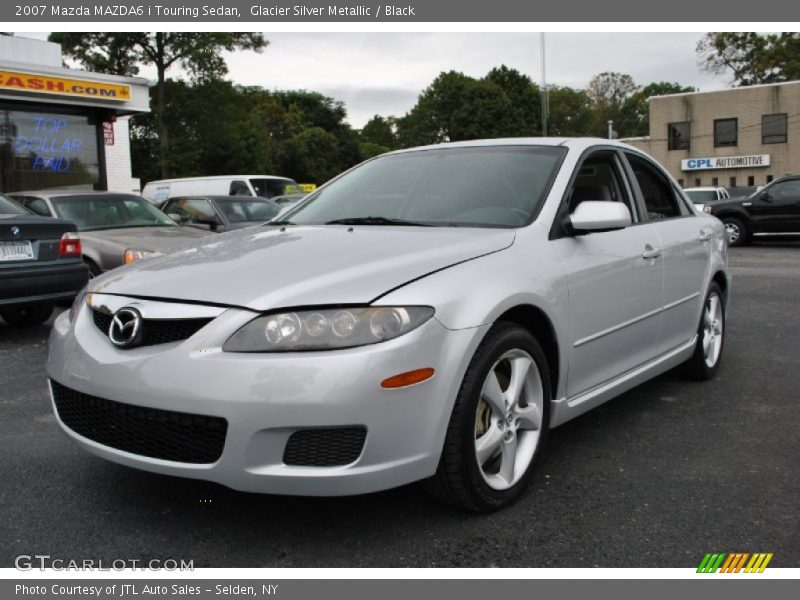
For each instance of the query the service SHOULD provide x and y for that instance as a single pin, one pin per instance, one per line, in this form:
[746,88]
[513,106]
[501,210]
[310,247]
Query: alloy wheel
[508,421]
[712,329]
[732,229]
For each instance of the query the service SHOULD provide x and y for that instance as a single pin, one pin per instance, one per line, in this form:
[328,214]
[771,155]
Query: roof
[727,90]
[53,193]
[573,143]
[703,188]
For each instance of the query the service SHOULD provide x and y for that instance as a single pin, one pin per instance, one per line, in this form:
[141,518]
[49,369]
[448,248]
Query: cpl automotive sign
[47,84]
[725,162]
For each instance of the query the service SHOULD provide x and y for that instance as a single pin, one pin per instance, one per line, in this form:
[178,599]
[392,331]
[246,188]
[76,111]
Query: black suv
[774,209]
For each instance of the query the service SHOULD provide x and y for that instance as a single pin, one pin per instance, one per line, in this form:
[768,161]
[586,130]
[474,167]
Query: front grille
[324,447]
[152,432]
[156,331]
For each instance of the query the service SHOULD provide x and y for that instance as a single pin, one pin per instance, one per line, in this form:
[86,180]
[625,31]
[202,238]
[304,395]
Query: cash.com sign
[725,162]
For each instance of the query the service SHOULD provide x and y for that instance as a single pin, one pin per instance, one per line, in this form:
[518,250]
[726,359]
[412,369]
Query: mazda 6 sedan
[428,315]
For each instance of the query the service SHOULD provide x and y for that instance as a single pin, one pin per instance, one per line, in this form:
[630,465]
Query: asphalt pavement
[655,478]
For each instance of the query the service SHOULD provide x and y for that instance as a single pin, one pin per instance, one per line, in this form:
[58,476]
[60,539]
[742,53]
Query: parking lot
[655,478]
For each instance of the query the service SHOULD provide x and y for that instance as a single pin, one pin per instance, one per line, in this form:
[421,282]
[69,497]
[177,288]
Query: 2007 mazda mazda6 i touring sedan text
[427,315]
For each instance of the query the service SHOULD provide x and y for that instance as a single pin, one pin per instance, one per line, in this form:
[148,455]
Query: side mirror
[765,197]
[211,222]
[600,215]
[175,217]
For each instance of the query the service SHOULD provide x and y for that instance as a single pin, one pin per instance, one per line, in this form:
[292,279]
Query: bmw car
[427,316]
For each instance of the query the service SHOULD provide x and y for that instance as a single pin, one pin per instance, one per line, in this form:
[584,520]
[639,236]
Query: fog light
[406,379]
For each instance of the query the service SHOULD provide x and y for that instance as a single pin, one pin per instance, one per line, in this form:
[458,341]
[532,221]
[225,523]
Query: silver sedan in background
[428,315]
[115,228]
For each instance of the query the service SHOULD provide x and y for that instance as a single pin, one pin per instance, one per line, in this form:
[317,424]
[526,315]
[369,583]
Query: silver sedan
[428,315]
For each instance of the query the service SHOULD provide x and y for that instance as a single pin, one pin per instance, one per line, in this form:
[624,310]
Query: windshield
[9,207]
[267,188]
[492,186]
[238,210]
[702,196]
[110,211]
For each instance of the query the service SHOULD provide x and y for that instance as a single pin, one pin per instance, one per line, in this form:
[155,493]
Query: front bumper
[265,398]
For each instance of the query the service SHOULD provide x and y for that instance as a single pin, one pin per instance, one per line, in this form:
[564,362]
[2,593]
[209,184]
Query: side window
[660,199]
[600,178]
[189,210]
[239,188]
[787,191]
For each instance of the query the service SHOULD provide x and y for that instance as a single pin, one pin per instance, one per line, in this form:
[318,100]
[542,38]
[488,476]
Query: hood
[154,239]
[729,202]
[268,267]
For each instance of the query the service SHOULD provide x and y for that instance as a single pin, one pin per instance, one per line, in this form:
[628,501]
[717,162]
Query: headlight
[707,209]
[132,255]
[327,329]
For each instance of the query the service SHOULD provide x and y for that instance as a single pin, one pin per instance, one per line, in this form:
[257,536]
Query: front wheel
[710,336]
[498,425]
[735,230]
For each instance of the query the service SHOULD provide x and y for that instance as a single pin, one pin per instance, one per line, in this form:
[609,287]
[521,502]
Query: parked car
[428,315]
[115,228]
[220,213]
[265,186]
[773,210]
[701,196]
[40,264]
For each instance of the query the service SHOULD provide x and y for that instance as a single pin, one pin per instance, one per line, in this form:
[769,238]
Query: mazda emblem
[126,328]
[15,231]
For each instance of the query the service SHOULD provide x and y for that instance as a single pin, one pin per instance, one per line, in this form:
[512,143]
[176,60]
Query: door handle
[705,235]
[651,253]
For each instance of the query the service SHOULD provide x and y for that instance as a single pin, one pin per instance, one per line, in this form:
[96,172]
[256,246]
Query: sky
[384,73]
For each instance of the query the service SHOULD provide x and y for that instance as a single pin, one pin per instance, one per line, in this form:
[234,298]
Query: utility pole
[611,130]
[545,95]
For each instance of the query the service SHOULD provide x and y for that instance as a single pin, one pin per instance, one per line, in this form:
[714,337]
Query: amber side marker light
[406,379]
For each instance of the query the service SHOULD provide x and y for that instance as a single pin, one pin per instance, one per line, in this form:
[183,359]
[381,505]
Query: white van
[267,186]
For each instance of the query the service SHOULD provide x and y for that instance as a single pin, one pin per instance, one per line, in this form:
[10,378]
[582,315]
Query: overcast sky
[383,73]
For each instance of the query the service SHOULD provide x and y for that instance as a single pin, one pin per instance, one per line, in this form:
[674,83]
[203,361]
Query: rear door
[615,282]
[685,245]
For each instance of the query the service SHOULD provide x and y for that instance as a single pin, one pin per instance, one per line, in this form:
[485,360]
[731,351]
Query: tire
[27,315]
[491,484]
[736,231]
[707,355]
[94,270]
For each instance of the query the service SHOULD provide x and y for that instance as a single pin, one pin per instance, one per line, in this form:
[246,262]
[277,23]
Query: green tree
[634,114]
[751,58]
[124,53]
[379,131]
[571,112]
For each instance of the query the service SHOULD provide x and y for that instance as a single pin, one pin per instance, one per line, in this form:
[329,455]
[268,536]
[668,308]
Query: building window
[41,149]
[678,135]
[733,181]
[726,132]
[773,129]
[715,181]
[751,181]
[697,182]
[769,178]
[680,182]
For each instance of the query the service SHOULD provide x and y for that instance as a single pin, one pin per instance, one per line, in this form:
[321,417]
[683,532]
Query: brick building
[736,137]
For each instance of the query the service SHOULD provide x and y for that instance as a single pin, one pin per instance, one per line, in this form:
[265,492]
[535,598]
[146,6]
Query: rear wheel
[94,270]
[710,337]
[735,230]
[27,315]
[498,425]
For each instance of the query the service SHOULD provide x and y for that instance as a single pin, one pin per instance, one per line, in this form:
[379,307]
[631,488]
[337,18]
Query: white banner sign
[725,162]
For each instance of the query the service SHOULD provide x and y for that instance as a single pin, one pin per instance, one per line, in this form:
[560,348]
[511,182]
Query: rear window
[701,196]
[241,210]
[110,211]
[9,207]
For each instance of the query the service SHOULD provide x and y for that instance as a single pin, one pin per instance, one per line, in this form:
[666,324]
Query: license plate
[16,251]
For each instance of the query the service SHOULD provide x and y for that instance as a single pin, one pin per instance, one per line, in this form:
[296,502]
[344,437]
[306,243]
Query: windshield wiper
[376,221]
[281,222]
